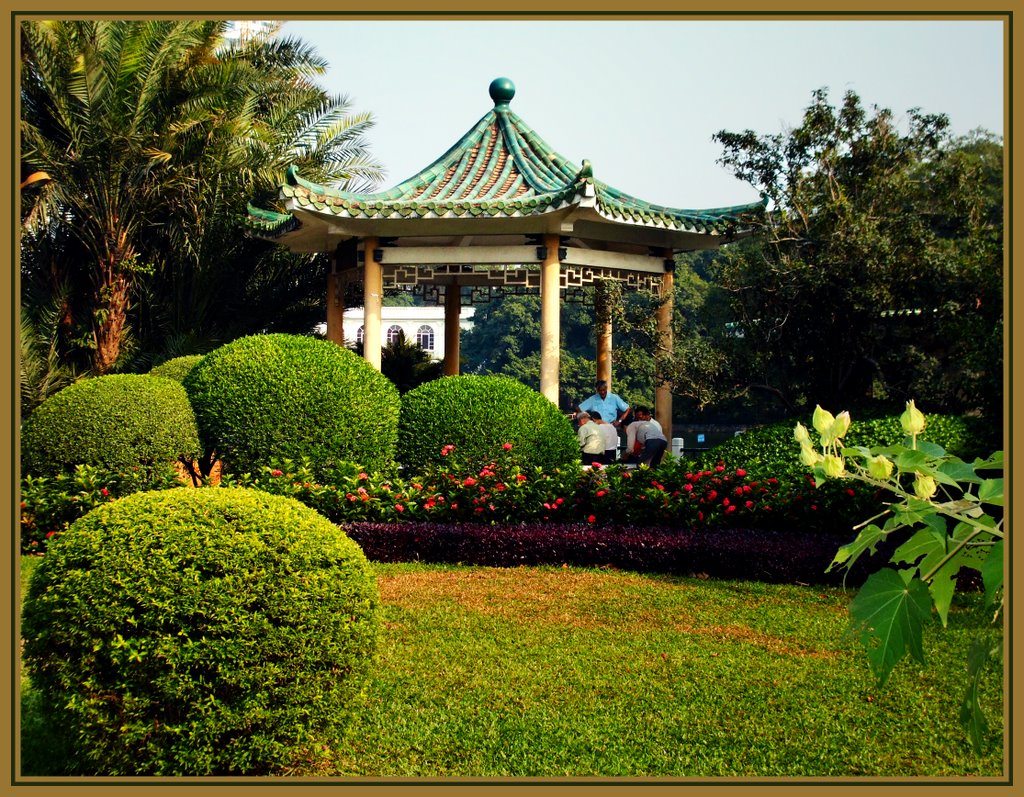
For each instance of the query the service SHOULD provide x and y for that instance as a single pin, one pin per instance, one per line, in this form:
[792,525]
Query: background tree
[877,273]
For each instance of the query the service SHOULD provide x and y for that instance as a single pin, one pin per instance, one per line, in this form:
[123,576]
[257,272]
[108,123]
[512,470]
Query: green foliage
[478,414]
[176,368]
[200,632]
[49,504]
[952,512]
[267,397]
[406,364]
[116,422]
[896,230]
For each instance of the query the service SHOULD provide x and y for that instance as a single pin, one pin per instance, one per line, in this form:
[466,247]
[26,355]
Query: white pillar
[550,309]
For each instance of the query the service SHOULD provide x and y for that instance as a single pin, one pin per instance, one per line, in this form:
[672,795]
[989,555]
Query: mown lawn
[556,672]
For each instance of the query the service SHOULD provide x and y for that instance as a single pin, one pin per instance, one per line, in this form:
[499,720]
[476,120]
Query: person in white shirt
[651,439]
[611,437]
[591,440]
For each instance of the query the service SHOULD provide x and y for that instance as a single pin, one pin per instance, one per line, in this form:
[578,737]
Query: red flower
[469,482]
[417,486]
[399,507]
[719,468]
[725,502]
[104,492]
[729,509]
[559,501]
[507,446]
[740,472]
[597,466]
[688,487]
[447,450]
[363,476]
[601,493]
[749,505]
[277,472]
[849,491]
[520,477]
[591,519]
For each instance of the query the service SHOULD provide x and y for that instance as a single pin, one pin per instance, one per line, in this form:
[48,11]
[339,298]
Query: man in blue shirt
[612,408]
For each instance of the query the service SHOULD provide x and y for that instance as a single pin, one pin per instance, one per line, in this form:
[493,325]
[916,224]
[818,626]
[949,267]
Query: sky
[641,99]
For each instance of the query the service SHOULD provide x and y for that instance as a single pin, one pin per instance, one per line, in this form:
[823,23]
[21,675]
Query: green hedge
[200,631]
[117,422]
[266,398]
[176,368]
[478,415]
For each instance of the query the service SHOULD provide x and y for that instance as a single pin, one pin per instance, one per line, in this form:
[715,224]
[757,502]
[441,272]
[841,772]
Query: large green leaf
[991,491]
[867,540]
[992,573]
[971,715]
[889,612]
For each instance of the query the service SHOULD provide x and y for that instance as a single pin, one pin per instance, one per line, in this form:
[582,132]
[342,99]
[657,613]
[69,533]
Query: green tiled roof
[500,167]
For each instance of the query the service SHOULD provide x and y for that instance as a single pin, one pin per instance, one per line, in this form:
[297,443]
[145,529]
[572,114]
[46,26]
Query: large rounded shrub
[206,631]
[478,415]
[266,398]
[177,368]
[116,422]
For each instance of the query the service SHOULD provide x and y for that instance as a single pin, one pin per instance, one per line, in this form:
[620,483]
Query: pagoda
[500,211]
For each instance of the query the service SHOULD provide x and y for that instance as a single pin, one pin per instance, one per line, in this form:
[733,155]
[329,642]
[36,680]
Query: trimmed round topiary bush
[117,422]
[176,368]
[478,415]
[267,398]
[198,632]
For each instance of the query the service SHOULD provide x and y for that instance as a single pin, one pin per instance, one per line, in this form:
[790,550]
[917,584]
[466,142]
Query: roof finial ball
[502,91]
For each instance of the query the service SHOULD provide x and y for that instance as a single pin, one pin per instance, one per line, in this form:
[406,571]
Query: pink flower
[363,476]
[399,507]
[507,446]
[447,450]
[469,482]
[597,466]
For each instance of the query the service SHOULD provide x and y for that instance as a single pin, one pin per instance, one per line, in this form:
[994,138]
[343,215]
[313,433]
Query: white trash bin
[677,447]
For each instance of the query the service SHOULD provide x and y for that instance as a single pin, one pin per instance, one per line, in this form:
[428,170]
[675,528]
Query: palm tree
[98,123]
[216,283]
[142,142]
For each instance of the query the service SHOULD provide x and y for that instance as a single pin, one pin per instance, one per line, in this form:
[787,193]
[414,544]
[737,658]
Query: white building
[421,325]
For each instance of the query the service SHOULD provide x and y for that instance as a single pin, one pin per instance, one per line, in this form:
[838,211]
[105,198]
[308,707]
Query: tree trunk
[109,319]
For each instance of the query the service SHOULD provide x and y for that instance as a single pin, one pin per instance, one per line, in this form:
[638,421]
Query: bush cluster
[49,504]
[203,631]
[267,397]
[115,422]
[477,415]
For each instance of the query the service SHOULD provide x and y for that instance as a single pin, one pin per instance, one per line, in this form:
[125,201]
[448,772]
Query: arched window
[425,337]
[394,332]
[360,334]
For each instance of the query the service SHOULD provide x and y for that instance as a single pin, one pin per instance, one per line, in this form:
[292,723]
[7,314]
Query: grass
[565,672]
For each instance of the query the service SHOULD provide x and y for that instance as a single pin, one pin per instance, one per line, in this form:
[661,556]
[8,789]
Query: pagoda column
[603,333]
[550,309]
[452,313]
[373,292]
[662,392]
[343,261]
